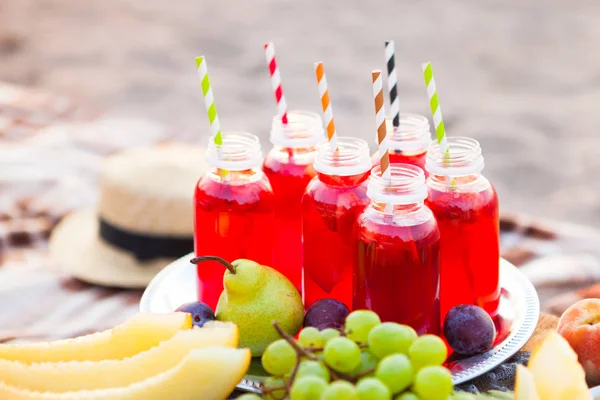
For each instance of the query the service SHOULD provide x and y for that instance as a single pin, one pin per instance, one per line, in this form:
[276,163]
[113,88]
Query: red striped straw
[325,104]
[276,82]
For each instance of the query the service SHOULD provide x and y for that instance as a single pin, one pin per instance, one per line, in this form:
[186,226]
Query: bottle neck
[239,151]
[402,185]
[412,136]
[350,158]
[304,129]
[461,159]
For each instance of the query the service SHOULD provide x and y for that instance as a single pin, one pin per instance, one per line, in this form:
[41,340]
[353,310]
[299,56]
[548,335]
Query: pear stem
[220,260]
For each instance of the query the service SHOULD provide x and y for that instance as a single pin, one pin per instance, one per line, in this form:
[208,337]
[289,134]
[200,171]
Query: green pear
[254,297]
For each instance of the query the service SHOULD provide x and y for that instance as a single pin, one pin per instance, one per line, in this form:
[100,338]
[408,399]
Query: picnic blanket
[44,138]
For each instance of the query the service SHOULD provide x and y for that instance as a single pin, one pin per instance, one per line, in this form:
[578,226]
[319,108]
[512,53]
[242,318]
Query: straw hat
[143,222]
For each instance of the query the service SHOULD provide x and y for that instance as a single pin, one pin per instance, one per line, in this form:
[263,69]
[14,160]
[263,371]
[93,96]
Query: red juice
[233,219]
[289,167]
[397,257]
[465,205]
[470,247]
[330,206]
[399,157]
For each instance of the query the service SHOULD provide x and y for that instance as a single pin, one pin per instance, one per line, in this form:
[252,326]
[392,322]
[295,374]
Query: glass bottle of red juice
[465,205]
[289,167]
[330,206]
[397,258]
[408,143]
[234,215]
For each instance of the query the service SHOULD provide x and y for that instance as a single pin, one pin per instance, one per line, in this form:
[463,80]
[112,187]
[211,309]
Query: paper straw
[325,104]
[380,122]
[276,82]
[209,102]
[436,111]
[390,53]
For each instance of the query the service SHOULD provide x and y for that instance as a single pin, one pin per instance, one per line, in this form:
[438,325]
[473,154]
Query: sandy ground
[523,77]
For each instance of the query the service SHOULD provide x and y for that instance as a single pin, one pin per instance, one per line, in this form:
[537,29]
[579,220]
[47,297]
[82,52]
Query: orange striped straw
[380,122]
[326,104]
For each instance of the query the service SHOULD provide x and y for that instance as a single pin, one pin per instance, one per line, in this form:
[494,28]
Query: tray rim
[474,366]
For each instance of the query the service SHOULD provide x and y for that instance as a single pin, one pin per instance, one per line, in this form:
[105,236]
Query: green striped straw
[209,102]
[436,111]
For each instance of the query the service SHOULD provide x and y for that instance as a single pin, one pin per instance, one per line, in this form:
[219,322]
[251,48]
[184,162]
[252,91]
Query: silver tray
[519,313]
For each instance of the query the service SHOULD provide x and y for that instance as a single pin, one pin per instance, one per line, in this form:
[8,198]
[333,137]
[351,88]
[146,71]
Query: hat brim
[82,254]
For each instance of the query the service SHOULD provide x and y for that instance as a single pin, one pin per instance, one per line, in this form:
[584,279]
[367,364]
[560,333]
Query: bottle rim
[463,158]
[239,151]
[304,129]
[404,185]
[413,134]
[351,158]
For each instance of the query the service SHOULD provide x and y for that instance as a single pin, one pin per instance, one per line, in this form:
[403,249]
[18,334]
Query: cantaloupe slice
[525,388]
[207,374]
[141,332]
[89,375]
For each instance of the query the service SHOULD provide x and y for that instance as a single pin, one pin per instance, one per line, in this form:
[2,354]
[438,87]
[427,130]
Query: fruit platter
[519,312]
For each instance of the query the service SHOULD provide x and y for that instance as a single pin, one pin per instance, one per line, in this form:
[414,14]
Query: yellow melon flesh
[208,374]
[525,385]
[89,375]
[557,374]
[141,332]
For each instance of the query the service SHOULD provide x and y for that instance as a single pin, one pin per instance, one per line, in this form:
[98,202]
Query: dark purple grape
[469,330]
[326,313]
[201,313]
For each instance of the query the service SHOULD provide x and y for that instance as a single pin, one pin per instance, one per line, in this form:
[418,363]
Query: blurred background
[521,77]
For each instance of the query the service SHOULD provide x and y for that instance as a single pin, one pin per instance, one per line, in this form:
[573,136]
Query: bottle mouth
[351,157]
[463,158]
[239,151]
[413,133]
[404,185]
[304,129]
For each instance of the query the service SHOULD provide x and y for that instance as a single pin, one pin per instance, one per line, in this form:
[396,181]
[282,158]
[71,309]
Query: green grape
[279,358]
[427,350]
[466,396]
[433,383]
[367,362]
[313,368]
[372,389]
[359,323]
[329,333]
[273,382]
[307,388]
[340,390]
[342,354]
[311,337]
[249,396]
[391,338]
[396,372]
[408,396]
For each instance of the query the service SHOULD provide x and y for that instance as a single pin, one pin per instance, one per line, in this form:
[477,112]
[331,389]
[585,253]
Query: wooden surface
[546,323]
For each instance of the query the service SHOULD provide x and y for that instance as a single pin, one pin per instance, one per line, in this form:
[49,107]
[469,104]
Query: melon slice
[89,375]
[208,374]
[525,388]
[141,332]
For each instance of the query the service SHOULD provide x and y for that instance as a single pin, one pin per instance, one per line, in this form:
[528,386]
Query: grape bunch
[365,360]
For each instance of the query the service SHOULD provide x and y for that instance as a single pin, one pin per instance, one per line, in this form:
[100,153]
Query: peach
[580,325]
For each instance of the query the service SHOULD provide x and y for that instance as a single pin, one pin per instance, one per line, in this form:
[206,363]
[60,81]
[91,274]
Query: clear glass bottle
[465,205]
[409,142]
[234,214]
[289,167]
[397,258]
[330,205]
